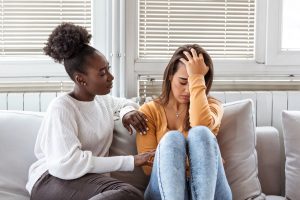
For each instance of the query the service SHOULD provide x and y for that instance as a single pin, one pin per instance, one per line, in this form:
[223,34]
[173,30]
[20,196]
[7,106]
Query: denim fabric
[207,179]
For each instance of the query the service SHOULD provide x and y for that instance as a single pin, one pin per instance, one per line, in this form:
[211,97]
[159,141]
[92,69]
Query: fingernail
[146,120]
[144,132]
[147,129]
[141,133]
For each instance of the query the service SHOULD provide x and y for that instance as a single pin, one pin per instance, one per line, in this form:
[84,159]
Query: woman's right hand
[195,63]
[144,159]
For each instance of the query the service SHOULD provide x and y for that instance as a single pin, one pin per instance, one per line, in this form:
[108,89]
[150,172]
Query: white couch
[18,130]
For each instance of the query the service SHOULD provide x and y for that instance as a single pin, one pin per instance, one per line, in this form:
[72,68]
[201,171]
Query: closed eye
[104,71]
[183,83]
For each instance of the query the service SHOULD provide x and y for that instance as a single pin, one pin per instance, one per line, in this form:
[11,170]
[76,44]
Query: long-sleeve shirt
[203,110]
[75,137]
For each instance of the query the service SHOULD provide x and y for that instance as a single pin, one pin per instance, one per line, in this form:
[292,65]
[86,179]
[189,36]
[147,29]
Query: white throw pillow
[237,142]
[291,136]
[18,131]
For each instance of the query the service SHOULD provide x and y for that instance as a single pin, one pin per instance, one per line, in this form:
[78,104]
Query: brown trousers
[89,186]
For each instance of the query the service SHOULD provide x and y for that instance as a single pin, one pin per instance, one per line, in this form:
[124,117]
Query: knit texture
[75,137]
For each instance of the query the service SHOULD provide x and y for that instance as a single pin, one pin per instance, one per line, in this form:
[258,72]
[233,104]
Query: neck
[174,104]
[81,94]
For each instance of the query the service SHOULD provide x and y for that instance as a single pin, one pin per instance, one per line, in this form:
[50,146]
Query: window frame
[274,54]
[43,67]
[256,69]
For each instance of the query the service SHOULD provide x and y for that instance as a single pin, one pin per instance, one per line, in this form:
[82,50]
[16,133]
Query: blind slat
[225,28]
[26,24]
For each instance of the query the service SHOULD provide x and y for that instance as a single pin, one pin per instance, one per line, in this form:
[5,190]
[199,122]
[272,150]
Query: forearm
[199,110]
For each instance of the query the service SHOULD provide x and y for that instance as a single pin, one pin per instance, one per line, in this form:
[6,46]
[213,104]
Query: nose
[110,77]
[186,89]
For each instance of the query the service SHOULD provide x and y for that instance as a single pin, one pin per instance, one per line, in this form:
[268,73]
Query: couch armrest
[268,156]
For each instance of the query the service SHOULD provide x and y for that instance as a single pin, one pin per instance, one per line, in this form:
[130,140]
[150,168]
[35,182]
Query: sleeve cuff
[195,77]
[196,80]
[131,163]
[126,110]
[111,164]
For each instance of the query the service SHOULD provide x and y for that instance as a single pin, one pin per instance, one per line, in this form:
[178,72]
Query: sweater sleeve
[205,111]
[62,149]
[123,106]
[147,142]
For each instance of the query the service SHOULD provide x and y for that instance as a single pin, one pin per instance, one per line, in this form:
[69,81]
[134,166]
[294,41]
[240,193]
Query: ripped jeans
[207,179]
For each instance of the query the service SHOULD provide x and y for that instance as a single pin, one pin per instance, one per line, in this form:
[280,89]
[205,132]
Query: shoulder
[151,106]
[152,109]
[61,101]
[61,104]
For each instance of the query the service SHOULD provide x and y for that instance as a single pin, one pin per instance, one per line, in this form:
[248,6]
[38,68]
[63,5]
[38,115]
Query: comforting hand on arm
[138,120]
[148,142]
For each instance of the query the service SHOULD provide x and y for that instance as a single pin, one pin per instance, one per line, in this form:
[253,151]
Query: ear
[79,79]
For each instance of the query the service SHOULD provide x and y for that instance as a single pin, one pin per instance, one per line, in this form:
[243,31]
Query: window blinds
[225,28]
[26,24]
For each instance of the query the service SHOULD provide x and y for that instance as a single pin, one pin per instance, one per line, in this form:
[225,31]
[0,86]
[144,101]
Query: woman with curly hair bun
[74,138]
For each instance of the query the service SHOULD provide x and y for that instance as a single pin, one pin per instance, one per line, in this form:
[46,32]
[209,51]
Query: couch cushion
[18,132]
[268,156]
[237,143]
[291,136]
[124,144]
[271,197]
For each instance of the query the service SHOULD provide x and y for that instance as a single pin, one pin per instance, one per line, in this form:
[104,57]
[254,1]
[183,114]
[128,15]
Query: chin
[183,101]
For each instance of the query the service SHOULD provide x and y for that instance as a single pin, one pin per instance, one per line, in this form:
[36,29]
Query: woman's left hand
[195,63]
[136,119]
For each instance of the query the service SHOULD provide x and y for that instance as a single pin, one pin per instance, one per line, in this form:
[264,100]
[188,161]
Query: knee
[173,138]
[201,134]
[133,193]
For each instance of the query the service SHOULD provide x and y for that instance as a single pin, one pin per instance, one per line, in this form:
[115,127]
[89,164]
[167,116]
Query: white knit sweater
[75,137]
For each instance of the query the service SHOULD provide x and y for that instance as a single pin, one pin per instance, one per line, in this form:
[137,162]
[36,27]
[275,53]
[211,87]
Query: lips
[185,97]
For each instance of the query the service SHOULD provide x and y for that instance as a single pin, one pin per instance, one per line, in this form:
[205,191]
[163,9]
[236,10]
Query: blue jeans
[207,179]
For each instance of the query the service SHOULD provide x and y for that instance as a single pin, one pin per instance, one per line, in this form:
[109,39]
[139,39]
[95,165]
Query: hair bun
[65,41]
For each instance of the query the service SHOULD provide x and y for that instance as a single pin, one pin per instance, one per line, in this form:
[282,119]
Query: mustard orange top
[204,111]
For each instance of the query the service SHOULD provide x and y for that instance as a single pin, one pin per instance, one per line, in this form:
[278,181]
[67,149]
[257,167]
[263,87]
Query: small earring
[84,83]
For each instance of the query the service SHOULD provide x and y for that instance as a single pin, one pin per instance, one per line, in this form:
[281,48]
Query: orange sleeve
[204,111]
[147,142]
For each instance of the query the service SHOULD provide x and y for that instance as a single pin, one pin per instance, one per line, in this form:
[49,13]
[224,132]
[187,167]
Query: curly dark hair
[69,44]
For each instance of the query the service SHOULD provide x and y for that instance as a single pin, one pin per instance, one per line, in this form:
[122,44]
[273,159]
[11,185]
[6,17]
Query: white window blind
[26,24]
[225,28]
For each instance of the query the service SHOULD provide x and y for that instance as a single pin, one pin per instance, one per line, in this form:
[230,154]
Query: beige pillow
[237,142]
[291,136]
[124,144]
